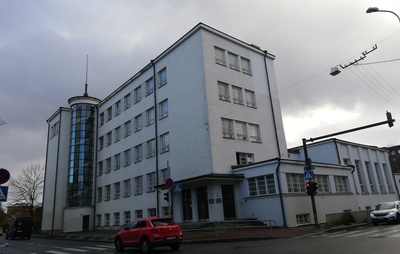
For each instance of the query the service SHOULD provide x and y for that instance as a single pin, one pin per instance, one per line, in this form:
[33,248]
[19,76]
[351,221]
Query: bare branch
[27,187]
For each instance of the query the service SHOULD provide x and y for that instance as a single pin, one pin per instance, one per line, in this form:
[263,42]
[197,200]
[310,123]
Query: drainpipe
[95,165]
[156,133]
[277,142]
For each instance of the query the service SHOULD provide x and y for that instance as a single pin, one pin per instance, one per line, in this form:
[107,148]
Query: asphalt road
[383,239]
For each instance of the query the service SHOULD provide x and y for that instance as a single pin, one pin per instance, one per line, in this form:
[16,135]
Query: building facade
[203,117]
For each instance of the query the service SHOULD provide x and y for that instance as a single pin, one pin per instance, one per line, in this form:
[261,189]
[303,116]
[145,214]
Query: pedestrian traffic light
[309,188]
[166,196]
[390,120]
[314,187]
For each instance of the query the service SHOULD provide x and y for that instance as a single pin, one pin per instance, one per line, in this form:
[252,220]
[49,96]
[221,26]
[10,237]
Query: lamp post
[376,9]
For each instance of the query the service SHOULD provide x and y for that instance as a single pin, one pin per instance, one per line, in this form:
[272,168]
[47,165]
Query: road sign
[308,175]
[178,187]
[4,175]
[169,182]
[3,193]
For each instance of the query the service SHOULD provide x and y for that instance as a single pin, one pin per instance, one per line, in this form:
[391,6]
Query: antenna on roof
[86,85]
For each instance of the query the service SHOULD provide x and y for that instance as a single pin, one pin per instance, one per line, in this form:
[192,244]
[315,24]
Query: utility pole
[312,186]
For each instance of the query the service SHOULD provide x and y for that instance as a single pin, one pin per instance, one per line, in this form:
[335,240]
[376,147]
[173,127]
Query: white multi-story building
[204,114]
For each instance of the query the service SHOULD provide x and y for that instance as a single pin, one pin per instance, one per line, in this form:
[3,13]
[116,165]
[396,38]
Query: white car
[386,212]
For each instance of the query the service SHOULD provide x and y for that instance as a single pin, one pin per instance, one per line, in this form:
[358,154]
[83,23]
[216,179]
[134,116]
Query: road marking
[344,234]
[77,250]
[93,248]
[365,233]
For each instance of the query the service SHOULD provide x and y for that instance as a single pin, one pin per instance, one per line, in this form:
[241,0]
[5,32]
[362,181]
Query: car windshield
[384,206]
[162,222]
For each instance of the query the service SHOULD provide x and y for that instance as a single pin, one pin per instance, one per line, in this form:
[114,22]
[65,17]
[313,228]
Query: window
[151,181]
[295,183]
[241,131]
[138,214]
[151,150]
[108,192]
[117,161]
[108,165]
[246,66]
[370,176]
[219,56]
[244,158]
[116,219]
[107,219]
[341,184]
[223,91]
[227,128]
[237,95]
[127,129]
[165,174]
[233,61]
[99,194]
[250,99]
[163,77]
[378,172]
[138,123]
[138,185]
[100,169]
[261,185]
[323,183]
[109,114]
[164,142]
[54,129]
[101,143]
[117,108]
[117,190]
[127,217]
[303,218]
[387,177]
[127,188]
[127,101]
[138,153]
[137,95]
[150,116]
[101,118]
[151,212]
[127,157]
[117,134]
[149,86]
[98,220]
[254,132]
[163,109]
[360,175]
[109,138]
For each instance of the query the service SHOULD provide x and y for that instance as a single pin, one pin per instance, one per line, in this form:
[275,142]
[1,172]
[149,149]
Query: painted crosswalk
[375,232]
[82,249]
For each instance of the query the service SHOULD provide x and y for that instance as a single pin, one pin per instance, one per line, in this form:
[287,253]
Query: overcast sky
[44,43]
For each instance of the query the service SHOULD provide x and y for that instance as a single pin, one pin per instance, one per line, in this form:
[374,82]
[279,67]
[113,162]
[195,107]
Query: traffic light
[314,187]
[309,188]
[166,196]
[390,120]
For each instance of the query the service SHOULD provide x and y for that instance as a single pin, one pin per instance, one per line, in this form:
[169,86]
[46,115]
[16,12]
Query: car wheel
[118,245]
[375,223]
[175,246]
[145,246]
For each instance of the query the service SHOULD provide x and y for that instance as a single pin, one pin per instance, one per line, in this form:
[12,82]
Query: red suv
[147,233]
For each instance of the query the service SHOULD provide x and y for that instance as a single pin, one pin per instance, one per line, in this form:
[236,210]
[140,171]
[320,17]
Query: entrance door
[85,222]
[187,205]
[228,202]
[202,204]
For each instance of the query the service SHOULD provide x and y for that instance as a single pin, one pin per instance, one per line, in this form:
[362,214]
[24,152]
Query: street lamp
[376,9]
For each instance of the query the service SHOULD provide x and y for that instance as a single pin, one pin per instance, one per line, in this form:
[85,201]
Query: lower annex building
[206,114]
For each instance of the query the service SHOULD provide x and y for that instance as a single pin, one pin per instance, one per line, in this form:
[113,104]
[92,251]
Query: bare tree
[27,187]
